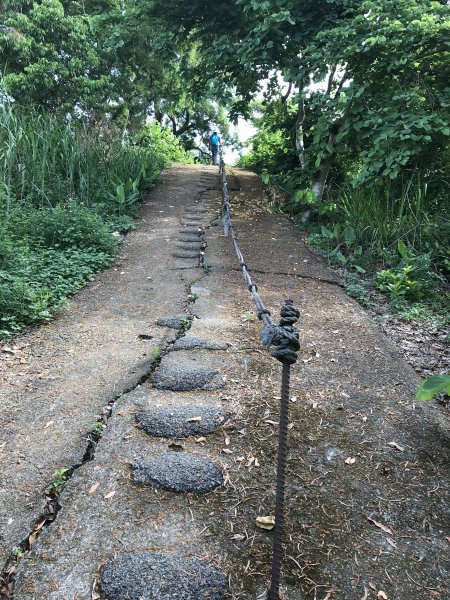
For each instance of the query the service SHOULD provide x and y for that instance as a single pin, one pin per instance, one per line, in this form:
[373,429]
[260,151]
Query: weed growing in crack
[60,477]
[96,430]
[192,297]
[155,353]
[186,324]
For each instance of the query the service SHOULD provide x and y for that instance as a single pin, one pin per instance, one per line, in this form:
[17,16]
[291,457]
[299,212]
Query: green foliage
[96,430]
[36,282]
[161,145]
[64,227]
[63,189]
[433,386]
[60,477]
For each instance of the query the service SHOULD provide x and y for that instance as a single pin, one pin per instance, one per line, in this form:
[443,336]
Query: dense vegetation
[65,189]
[354,125]
[350,98]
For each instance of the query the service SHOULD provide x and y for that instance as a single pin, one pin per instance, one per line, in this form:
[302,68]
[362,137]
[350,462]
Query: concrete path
[164,349]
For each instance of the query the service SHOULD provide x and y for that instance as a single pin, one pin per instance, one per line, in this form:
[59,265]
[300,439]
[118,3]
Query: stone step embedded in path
[196,210]
[181,421]
[191,231]
[185,254]
[160,576]
[192,342]
[189,238]
[178,472]
[181,379]
[190,246]
[175,322]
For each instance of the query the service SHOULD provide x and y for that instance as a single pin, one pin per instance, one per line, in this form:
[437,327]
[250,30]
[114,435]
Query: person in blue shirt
[214,143]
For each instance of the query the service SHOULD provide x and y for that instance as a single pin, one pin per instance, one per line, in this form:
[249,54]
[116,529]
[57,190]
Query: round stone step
[189,238]
[176,322]
[191,342]
[181,421]
[190,246]
[185,380]
[185,254]
[159,576]
[191,231]
[196,210]
[178,472]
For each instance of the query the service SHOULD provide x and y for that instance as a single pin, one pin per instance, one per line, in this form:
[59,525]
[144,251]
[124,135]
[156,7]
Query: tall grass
[382,214]
[64,187]
[45,161]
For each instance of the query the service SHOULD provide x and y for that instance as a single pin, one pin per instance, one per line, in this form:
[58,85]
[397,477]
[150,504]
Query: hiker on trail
[214,145]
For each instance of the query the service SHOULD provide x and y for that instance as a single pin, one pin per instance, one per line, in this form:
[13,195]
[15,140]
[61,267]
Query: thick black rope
[284,336]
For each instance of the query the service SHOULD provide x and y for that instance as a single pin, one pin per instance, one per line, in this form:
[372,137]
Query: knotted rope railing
[284,338]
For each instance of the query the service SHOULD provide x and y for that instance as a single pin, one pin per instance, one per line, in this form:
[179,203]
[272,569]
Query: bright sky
[244,130]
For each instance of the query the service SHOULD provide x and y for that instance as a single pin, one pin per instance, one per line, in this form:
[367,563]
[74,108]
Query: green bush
[72,226]
[40,281]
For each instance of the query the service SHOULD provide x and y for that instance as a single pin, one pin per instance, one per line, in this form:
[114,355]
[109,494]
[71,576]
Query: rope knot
[284,336]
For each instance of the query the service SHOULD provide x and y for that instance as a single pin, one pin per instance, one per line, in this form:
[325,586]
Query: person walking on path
[214,143]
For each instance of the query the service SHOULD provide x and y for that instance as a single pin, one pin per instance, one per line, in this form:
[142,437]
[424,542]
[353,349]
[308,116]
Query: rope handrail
[284,336]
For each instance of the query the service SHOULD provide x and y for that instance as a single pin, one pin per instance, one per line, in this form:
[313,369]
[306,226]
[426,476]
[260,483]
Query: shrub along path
[164,505]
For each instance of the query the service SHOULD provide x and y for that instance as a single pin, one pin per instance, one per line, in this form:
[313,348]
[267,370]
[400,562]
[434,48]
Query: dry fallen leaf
[109,494]
[269,422]
[227,451]
[395,445]
[391,542]
[373,585]
[49,424]
[265,522]
[93,488]
[200,440]
[194,419]
[380,525]
[226,438]
[32,537]
[382,595]
[350,461]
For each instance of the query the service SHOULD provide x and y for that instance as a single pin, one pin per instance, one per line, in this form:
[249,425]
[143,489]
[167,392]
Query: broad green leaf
[432,386]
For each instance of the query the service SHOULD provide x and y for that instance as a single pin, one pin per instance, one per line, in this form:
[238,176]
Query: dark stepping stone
[179,472]
[185,254]
[179,421]
[190,246]
[185,380]
[196,210]
[189,238]
[177,322]
[159,576]
[190,342]
[193,223]
[191,230]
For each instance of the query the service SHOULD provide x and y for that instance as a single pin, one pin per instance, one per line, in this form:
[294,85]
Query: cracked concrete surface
[352,395]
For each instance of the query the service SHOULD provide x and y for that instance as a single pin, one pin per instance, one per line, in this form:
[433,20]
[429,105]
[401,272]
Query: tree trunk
[325,166]
[299,139]
[321,179]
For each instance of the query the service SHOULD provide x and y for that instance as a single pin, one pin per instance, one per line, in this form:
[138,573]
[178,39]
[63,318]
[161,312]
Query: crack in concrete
[286,274]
